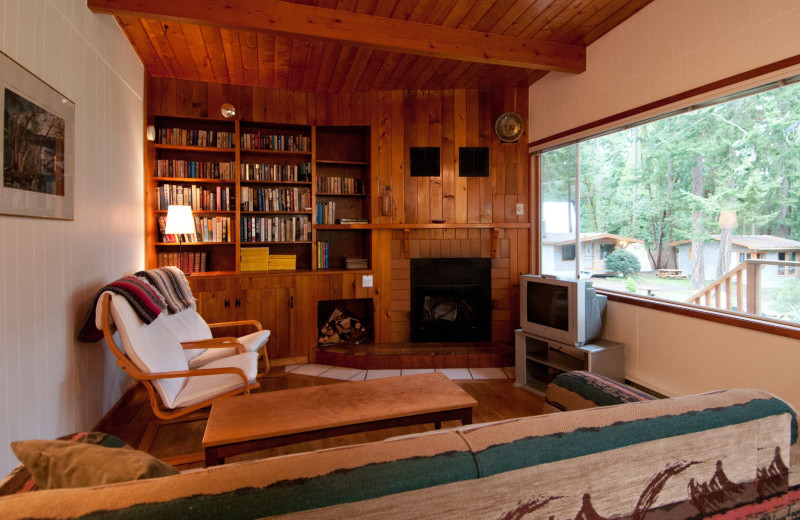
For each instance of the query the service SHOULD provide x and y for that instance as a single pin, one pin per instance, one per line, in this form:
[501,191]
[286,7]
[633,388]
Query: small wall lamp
[227,110]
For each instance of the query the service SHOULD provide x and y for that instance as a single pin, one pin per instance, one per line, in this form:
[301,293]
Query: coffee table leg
[437,425]
[212,459]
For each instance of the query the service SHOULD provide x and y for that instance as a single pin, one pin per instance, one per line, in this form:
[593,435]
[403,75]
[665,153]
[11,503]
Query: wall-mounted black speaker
[425,161]
[473,161]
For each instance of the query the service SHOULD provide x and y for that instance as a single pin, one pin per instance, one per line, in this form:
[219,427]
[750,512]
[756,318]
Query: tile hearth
[355,374]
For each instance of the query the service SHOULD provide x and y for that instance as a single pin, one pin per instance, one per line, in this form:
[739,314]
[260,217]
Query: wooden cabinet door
[218,306]
[272,301]
[279,312]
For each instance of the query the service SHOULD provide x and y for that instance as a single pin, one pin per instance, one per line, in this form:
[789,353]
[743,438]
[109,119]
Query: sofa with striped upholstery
[724,453]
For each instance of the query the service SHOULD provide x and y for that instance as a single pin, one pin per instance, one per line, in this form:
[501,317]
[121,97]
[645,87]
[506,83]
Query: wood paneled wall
[447,119]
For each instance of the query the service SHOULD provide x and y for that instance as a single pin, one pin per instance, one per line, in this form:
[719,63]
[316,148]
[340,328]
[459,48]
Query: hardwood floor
[497,400]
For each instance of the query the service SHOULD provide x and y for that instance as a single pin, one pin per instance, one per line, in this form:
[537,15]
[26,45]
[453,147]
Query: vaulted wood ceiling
[350,45]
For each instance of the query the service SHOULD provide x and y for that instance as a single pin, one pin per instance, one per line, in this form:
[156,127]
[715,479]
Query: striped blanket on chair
[143,298]
[171,284]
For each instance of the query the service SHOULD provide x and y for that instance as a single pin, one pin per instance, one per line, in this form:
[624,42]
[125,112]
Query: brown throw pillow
[65,464]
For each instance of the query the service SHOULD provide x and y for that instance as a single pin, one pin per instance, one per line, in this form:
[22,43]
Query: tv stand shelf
[539,360]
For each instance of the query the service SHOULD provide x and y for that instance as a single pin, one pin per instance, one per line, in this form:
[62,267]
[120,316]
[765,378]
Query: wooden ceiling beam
[358,29]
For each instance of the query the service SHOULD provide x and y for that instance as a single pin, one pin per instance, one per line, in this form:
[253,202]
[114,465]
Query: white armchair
[153,355]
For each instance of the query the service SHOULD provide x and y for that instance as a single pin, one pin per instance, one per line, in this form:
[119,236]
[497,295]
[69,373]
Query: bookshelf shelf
[188,244]
[275,153]
[193,148]
[197,212]
[193,180]
[285,242]
[278,183]
[342,163]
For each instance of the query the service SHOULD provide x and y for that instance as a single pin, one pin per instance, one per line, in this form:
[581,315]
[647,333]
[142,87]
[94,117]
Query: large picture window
[688,208]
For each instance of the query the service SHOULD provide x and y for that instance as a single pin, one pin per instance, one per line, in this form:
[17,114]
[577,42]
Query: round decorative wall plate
[509,127]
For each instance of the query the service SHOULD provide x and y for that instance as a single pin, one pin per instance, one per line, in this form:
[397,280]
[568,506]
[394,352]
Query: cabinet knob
[238,303]
[291,302]
[227,303]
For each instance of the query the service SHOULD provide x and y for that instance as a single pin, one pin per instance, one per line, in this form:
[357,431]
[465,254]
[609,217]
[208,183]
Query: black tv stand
[539,360]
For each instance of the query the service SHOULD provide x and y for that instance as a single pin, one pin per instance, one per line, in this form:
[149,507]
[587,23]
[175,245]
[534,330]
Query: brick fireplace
[504,273]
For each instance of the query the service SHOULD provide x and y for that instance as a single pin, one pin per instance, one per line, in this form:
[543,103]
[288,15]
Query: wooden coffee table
[261,421]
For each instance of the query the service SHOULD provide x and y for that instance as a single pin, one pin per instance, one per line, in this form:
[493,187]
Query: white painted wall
[51,384]
[670,47]
[677,355]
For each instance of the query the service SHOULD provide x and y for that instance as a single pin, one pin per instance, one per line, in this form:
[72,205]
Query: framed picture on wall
[38,152]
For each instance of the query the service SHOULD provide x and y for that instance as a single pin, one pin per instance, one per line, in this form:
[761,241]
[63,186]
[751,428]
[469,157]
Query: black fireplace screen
[450,300]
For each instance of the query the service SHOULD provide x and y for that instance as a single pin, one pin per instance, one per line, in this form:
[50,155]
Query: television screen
[548,305]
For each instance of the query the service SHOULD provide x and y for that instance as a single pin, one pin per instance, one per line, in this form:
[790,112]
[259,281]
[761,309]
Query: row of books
[200,198]
[268,141]
[340,185]
[189,261]
[276,229]
[275,199]
[207,229]
[195,169]
[195,137]
[326,212]
[276,172]
[322,254]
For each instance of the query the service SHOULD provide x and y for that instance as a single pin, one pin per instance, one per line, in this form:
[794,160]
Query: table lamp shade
[179,220]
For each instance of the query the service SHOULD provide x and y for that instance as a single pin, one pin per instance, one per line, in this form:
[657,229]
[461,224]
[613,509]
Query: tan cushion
[65,464]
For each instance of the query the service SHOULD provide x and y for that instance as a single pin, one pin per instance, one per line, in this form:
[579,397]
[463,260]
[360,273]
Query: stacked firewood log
[342,327]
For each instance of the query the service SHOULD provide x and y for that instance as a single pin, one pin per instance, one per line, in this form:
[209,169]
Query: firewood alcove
[345,322]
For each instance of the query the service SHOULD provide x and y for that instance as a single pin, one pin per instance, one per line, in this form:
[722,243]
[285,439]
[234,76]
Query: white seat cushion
[198,389]
[152,348]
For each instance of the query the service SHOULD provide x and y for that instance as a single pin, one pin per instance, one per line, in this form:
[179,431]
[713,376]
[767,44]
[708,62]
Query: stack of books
[277,262]
[356,263]
[255,259]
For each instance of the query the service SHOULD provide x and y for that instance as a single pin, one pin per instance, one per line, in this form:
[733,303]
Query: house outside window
[670,180]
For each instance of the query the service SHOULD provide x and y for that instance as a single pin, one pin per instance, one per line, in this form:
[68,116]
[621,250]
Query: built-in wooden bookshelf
[260,185]
[342,192]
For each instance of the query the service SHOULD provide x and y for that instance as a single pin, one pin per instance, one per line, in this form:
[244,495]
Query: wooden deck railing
[746,278]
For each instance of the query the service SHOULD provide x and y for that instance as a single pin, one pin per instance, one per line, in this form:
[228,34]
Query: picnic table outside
[670,273]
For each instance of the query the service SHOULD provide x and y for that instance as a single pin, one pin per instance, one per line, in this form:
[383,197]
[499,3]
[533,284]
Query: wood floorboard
[497,400]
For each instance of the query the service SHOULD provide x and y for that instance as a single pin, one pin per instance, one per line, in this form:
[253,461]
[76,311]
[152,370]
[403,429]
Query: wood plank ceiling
[359,45]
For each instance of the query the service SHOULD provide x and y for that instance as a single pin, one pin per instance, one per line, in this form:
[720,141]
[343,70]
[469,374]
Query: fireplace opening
[450,300]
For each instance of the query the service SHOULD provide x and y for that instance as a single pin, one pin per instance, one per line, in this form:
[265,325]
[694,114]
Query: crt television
[561,309]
